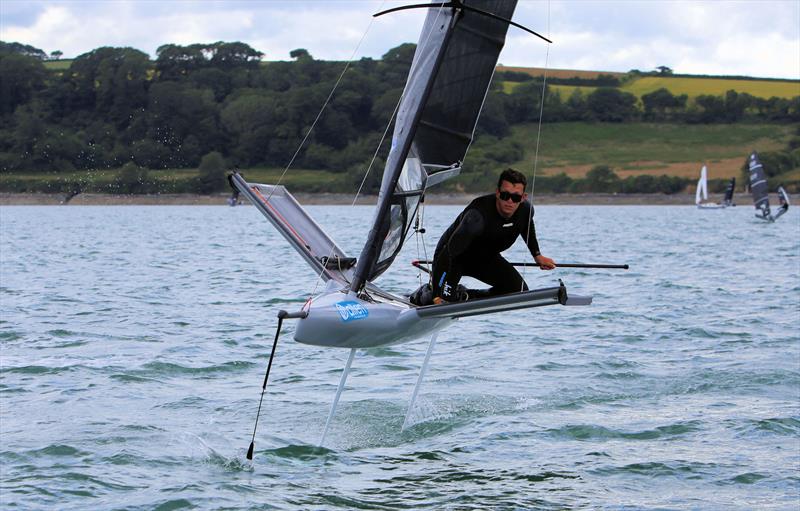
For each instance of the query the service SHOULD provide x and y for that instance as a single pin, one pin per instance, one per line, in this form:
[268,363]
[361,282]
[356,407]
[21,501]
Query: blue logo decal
[351,311]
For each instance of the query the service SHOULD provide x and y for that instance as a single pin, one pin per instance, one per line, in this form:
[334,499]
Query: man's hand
[545,263]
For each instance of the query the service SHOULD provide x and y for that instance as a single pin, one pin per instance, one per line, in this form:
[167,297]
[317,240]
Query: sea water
[134,340]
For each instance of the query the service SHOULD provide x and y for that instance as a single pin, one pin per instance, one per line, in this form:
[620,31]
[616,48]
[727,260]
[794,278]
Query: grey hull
[342,320]
[339,319]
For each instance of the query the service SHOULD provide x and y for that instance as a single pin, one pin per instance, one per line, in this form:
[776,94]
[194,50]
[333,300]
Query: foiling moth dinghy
[701,193]
[436,118]
[760,191]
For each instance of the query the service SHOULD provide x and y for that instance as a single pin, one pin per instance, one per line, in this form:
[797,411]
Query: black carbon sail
[758,187]
[728,201]
[442,100]
[783,197]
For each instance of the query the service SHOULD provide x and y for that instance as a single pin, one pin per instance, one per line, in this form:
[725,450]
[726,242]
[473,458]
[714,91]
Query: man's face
[506,207]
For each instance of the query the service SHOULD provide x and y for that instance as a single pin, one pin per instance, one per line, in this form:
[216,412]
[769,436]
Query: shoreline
[454,199]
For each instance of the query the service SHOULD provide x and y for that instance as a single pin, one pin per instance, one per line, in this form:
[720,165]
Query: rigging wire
[352,57]
[538,137]
[324,105]
[420,235]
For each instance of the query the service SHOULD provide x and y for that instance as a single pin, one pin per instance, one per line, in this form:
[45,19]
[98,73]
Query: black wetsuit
[471,246]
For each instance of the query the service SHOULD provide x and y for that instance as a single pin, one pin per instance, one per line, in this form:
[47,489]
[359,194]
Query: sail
[702,187]
[758,186]
[728,201]
[449,77]
[784,201]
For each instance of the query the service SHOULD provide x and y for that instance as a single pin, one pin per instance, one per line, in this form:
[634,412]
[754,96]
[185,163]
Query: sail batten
[448,131]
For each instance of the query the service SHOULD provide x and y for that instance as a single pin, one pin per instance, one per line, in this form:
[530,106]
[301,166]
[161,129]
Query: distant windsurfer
[471,246]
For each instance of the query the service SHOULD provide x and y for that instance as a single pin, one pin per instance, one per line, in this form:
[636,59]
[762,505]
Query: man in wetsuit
[471,246]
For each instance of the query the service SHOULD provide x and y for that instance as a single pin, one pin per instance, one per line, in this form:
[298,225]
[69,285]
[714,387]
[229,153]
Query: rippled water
[134,342]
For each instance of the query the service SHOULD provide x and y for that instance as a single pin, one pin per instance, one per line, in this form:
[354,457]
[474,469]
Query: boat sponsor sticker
[351,310]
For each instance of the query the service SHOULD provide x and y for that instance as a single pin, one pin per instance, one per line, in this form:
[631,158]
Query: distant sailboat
[760,192]
[233,200]
[701,195]
[728,200]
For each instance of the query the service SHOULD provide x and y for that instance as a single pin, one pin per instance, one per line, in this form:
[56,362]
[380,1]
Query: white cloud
[747,37]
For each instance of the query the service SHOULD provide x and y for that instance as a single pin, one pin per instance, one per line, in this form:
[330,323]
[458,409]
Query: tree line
[117,106]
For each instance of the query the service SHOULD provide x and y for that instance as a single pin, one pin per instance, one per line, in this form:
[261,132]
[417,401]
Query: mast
[729,192]
[442,101]
[401,144]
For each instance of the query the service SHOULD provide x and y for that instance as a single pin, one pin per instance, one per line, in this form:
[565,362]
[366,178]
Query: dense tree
[611,105]
[115,106]
[736,104]
[575,107]
[602,179]
[524,103]
[212,173]
[21,76]
[493,117]
[174,62]
[132,179]
[659,104]
[394,65]
[300,54]
[227,56]
[175,113]
[111,81]
[218,81]
[22,49]
[258,125]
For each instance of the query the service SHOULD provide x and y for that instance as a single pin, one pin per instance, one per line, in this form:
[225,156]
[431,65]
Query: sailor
[471,246]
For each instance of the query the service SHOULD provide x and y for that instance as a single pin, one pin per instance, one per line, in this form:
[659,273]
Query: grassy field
[633,149]
[693,87]
[677,85]
[295,178]
[57,65]
[559,73]
[566,90]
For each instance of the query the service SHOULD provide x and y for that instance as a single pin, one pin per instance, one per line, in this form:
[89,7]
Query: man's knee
[509,287]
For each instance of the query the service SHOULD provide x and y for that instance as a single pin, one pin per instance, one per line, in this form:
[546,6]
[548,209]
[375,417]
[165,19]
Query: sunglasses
[515,197]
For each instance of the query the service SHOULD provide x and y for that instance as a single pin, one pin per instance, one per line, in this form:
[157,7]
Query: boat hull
[342,320]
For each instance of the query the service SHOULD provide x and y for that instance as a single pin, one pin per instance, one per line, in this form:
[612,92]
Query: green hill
[573,149]
[647,148]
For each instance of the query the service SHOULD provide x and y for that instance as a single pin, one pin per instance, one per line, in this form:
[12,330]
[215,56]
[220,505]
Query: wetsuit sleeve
[471,225]
[528,231]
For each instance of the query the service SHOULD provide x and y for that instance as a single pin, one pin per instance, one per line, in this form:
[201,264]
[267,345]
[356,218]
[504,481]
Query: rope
[483,102]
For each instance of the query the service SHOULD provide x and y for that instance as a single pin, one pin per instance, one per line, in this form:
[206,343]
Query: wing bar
[509,302]
[296,225]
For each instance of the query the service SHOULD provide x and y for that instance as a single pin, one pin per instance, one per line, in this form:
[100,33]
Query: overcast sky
[734,37]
